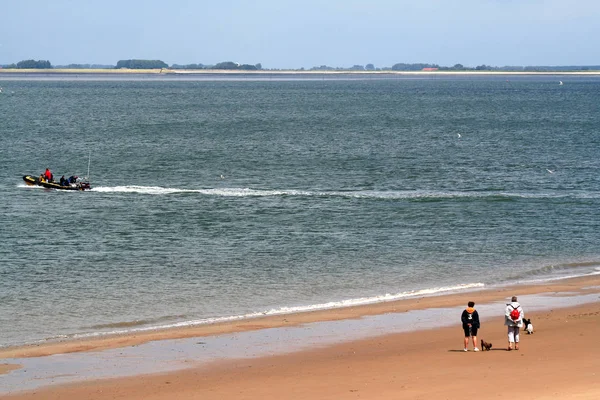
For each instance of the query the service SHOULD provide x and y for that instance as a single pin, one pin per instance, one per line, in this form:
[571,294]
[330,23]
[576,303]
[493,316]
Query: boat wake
[416,195]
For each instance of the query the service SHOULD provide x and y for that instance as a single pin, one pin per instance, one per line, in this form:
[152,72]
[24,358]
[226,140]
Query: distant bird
[459,135]
[222,177]
[549,171]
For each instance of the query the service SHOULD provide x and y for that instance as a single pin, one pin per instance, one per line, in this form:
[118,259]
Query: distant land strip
[278,72]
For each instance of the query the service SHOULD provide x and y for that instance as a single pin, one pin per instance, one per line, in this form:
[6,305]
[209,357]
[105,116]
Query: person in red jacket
[48,175]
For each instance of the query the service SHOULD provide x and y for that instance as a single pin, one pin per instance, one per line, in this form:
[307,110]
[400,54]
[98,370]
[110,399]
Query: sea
[220,198]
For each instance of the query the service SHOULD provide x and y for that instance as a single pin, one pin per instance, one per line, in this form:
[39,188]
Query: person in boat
[72,179]
[41,178]
[64,181]
[48,175]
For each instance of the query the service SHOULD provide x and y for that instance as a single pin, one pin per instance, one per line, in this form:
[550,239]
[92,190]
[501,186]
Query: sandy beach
[561,359]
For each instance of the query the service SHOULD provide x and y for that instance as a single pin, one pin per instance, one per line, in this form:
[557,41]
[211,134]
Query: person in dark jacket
[470,324]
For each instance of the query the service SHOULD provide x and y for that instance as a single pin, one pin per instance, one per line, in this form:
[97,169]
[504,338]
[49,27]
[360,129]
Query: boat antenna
[89,160]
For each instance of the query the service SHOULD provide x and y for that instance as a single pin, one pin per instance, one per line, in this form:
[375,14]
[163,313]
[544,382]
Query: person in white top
[513,319]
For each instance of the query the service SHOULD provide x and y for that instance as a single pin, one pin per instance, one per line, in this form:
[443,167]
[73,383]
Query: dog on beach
[485,345]
[528,326]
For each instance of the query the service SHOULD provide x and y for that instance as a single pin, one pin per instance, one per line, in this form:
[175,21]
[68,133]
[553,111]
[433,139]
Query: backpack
[515,314]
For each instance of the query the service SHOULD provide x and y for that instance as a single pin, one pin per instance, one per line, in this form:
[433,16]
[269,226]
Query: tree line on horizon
[229,65]
[458,67]
[30,64]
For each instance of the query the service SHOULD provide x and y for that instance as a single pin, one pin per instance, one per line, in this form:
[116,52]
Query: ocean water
[218,199]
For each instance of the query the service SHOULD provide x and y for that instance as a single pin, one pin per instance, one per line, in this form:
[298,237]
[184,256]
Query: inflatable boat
[78,185]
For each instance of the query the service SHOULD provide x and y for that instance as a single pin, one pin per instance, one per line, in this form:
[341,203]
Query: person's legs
[467,335]
[475,343]
[517,337]
[511,337]
[474,338]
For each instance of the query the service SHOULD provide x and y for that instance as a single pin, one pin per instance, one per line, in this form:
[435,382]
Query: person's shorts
[470,331]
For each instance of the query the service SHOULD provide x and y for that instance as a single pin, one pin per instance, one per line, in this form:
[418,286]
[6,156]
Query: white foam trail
[26,186]
[372,194]
[142,190]
[231,192]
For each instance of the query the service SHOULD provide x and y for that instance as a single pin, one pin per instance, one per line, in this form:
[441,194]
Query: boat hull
[33,181]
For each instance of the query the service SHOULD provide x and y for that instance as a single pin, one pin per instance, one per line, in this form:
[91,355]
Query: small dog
[485,345]
[528,326]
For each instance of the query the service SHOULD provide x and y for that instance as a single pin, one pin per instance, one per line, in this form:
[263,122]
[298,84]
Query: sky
[286,34]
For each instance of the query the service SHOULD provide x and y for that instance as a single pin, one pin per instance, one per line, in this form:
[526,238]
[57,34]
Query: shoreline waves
[141,326]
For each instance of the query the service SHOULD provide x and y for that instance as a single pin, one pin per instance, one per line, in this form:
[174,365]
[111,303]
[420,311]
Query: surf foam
[284,310]
[374,194]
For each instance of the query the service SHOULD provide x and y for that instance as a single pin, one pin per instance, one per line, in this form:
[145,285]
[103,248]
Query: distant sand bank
[125,71]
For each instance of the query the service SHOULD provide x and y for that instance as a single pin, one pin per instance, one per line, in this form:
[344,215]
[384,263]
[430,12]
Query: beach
[316,238]
[561,359]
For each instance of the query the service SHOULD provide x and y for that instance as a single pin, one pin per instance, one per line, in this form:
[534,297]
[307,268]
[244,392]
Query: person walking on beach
[513,319]
[470,324]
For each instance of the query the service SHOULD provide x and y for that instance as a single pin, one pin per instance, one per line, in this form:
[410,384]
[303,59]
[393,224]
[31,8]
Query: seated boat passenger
[42,179]
[63,181]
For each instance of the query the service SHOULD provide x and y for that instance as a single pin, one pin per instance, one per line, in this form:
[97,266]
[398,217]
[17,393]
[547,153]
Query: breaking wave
[129,327]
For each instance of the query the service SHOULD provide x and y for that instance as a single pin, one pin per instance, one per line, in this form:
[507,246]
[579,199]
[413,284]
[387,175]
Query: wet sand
[5,368]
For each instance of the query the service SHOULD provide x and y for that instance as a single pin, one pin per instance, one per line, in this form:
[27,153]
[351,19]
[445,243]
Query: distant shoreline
[166,71]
